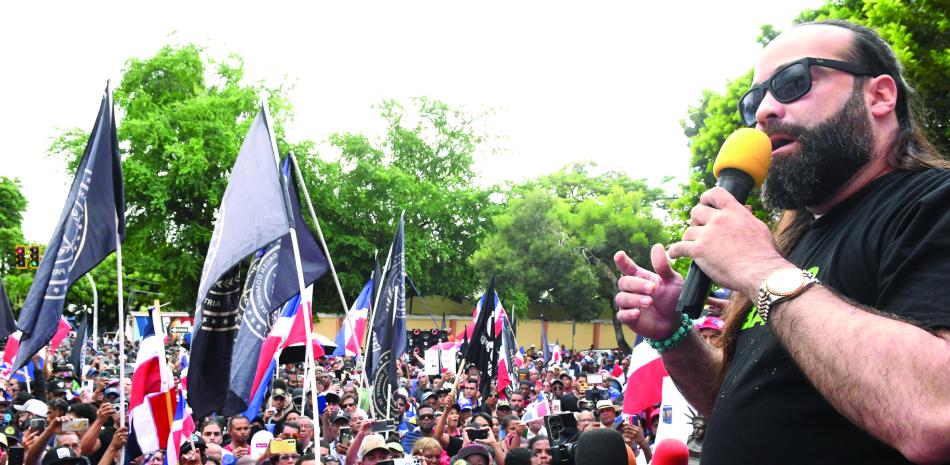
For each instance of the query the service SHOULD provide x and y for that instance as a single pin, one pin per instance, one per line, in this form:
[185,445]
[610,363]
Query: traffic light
[20,257]
[34,256]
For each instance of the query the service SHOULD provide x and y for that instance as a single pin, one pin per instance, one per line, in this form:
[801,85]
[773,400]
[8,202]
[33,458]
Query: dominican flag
[506,363]
[275,341]
[538,409]
[182,427]
[154,398]
[25,374]
[350,338]
[519,357]
[555,351]
[644,386]
[62,331]
[293,349]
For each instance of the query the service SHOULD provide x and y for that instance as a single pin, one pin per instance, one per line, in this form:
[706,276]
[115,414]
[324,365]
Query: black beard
[828,155]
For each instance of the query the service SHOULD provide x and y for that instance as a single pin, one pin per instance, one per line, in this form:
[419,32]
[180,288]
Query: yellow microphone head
[748,150]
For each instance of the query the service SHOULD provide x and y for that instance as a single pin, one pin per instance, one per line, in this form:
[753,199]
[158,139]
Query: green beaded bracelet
[675,339]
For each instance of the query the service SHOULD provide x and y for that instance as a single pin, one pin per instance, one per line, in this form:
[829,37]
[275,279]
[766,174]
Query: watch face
[785,281]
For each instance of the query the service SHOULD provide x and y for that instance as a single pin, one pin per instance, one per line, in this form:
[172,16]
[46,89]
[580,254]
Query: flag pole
[308,322]
[369,323]
[121,304]
[316,222]
[323,242]
[95,312]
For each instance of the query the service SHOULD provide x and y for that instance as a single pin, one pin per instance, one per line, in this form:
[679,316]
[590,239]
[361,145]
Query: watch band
[767,299]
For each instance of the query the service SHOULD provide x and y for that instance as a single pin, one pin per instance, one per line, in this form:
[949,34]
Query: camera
[477,433]
[562,434]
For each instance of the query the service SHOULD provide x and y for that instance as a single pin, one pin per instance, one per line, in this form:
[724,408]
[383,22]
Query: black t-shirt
[886,247]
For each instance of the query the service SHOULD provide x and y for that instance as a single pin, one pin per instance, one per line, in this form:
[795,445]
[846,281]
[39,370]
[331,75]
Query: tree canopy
[421,166]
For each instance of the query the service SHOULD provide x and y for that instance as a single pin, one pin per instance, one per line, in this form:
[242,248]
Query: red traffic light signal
[34,256]
[20,257]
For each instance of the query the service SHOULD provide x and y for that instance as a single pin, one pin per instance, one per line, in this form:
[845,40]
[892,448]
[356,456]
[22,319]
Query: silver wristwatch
[782,284]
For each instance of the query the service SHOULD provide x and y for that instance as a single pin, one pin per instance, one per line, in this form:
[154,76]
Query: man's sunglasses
[789,83]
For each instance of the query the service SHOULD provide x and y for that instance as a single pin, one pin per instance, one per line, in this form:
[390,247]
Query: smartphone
[634,420]
[38,424]
[76,424]
[382,426]
[477,433]
[283,446]
[344,436]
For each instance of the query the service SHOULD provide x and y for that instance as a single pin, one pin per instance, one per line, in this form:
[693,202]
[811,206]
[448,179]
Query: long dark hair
[911,151]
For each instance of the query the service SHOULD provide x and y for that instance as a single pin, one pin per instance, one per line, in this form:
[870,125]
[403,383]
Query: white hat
[370,443]
[34,406]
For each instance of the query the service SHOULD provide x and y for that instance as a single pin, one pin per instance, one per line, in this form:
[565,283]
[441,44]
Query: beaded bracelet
[675,339]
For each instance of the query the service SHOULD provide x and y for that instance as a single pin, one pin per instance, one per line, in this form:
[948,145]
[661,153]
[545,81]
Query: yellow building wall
[598,333]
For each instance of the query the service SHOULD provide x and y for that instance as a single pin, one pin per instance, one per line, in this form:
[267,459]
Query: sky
[607,82]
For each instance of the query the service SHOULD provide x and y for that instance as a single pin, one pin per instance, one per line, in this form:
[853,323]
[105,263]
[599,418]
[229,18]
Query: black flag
[482,344]
[389,324]
[77,357]
[85,234]
[7,323]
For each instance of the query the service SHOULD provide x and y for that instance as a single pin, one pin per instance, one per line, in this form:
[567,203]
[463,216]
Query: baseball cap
[475,449]
[426,395]
[370,443]
[332,397]
[709,322]
[340,417]
[395,447]
[36,407]
[62,455]
[279,393]
[112,392]
[504,404]
[465,405]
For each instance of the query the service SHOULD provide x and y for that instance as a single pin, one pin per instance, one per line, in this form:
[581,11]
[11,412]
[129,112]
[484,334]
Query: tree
[556,240]
[12,206]
[423,167]
[181,130]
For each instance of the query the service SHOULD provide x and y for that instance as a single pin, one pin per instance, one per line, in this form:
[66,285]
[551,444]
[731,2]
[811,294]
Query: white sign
[432,360]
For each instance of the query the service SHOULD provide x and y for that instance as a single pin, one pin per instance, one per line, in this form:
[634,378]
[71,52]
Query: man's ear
[881,92]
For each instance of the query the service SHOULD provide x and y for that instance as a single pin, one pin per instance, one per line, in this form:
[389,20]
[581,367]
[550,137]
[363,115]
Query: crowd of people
[59,417]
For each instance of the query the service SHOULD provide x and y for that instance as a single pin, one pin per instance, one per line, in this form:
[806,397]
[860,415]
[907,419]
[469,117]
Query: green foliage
[12,206]
[423,167]
[919,32]
[181,128]
[554,243]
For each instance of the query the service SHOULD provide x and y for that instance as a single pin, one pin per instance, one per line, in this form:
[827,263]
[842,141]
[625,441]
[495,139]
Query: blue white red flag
[519,357]
[274,343]
[349,339]
[153,399]
[538,409]
[182,427]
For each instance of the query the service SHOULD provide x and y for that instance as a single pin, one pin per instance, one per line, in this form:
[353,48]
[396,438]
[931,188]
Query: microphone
[601,446]
[741,165]
[670,452]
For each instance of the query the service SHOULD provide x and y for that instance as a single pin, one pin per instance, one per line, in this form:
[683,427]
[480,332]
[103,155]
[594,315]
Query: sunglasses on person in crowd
[789,83]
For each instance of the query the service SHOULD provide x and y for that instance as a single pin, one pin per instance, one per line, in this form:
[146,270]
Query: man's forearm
[872,369]
[694,367]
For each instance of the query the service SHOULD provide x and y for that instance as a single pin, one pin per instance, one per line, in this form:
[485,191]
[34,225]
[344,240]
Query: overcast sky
[602,81]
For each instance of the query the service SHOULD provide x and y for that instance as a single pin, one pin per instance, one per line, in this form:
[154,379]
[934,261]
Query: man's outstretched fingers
[661,263]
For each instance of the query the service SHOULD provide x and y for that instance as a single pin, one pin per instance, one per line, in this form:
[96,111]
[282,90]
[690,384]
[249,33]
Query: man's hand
[119,439]
[733,247]
[29,438]
[56,425]
[647,300]
[106,410]
[239,452]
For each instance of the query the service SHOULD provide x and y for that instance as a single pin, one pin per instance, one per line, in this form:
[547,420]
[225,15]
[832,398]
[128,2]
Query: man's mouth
[780,140]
